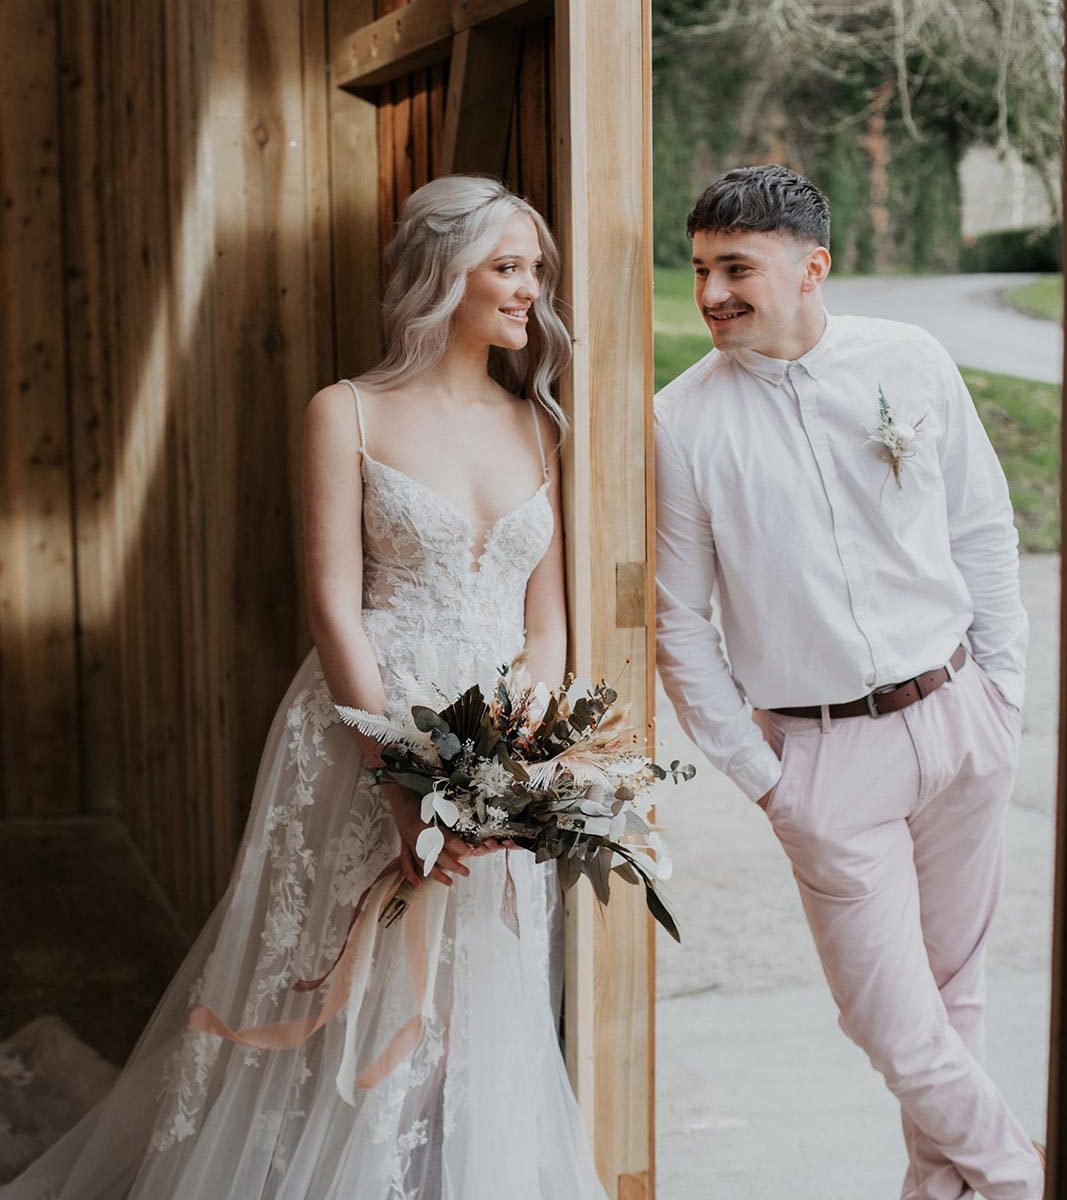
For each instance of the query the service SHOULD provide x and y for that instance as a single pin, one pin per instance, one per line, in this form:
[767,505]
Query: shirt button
[869,680]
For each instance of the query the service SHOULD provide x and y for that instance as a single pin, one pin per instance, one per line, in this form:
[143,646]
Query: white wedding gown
[481,1107]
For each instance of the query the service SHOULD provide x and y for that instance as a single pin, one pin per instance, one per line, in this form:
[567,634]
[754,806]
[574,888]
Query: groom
[831,478]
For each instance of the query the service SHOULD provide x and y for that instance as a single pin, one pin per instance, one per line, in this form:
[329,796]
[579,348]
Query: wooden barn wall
[167,310]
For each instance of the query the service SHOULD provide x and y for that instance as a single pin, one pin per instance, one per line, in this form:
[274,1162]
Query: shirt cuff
[759,774]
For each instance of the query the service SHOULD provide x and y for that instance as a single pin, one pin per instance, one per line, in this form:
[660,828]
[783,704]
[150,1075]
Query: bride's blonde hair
[447,228]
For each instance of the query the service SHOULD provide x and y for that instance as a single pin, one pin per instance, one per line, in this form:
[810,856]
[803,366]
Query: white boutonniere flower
[895,439]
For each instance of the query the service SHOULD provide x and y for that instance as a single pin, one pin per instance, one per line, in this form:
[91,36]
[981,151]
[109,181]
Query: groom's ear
[816,268]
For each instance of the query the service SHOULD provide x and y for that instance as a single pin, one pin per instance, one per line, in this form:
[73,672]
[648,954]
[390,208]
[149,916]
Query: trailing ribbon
[422,932]
[351,973]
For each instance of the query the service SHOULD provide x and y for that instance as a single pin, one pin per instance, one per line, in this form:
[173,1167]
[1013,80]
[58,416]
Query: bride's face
[500,291]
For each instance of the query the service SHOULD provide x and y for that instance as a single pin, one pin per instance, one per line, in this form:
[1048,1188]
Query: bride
[433,550]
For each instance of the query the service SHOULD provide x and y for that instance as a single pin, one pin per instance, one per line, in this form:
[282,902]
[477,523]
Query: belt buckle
[872,708]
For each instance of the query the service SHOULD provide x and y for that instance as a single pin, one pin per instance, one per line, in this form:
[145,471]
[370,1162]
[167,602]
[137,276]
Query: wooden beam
[481,95]
[418,35]
[468,13]
[414,36]
[603,219]
[1056,1133]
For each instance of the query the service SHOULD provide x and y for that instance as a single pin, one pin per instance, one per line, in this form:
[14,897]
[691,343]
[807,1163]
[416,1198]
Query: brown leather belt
[886,700]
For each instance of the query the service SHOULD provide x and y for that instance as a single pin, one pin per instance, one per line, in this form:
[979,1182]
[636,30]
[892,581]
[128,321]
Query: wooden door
[554,98]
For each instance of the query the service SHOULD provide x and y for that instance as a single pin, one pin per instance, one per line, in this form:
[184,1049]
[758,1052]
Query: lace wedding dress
[479,1107]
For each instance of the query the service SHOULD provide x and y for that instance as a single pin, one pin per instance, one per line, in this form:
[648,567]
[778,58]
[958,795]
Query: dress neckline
[444,502]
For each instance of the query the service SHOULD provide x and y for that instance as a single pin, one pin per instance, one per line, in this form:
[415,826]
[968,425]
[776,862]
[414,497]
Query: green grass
[1021,416]
[1042,297]
[676,311]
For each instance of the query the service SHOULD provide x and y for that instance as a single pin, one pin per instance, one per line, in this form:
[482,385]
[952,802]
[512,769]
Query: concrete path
[758,1093]
[965,313]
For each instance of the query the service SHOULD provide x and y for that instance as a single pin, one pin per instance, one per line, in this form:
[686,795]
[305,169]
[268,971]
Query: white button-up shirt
[832,580]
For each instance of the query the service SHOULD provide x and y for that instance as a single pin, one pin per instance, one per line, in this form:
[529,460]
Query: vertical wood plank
[87,299]
[533,118]
[151,655]
[358,225]
[481,97]
[260,361]
[38,718]
[1056,1134]
[438,92]
[602,167]
[318,329]
[420,128]
[403,174]
[202,832]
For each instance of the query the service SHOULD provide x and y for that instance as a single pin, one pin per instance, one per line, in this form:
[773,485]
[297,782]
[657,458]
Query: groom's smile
[758,290]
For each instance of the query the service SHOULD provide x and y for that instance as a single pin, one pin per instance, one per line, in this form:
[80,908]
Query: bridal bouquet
[553,770]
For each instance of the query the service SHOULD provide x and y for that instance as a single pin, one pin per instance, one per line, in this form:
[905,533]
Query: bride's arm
[333,555]
[546,597]
[333,561]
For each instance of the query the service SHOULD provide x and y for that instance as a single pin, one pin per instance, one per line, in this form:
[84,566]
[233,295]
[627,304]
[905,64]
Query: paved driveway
[965,313]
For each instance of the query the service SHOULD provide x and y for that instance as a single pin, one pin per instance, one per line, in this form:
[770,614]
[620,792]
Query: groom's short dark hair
[770,199]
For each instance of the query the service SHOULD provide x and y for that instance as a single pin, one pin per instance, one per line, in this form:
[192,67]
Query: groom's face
[754,289]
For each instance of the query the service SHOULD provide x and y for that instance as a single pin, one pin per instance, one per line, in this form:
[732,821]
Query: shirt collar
[774,369]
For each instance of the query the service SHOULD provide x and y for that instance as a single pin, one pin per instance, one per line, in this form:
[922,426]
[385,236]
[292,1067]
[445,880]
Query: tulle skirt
[475,1106]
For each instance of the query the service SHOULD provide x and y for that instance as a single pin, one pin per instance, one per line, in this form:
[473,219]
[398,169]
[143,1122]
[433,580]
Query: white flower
[491,778]
[428,846]
[598,826]
[436,802]
[895,439]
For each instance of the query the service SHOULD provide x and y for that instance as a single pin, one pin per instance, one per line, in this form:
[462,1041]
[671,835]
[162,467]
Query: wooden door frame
[602,166]
[1056,1182]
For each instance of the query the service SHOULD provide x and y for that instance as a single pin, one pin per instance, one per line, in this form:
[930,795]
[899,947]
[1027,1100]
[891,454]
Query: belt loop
[825,711]
[951,672]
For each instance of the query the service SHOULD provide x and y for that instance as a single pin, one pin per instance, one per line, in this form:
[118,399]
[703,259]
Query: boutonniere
[895,439]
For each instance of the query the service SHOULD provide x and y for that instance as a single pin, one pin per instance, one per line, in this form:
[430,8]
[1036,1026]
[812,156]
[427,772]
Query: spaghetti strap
[359,413]
[540,442]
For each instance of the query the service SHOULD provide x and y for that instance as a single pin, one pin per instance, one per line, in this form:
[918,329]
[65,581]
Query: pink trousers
[894,828]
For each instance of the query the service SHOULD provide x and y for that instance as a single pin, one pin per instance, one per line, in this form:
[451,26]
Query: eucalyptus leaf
[598,868]
[427,720]
[658,908]
[448,745]
[569,870]
[627,872]
[419,784]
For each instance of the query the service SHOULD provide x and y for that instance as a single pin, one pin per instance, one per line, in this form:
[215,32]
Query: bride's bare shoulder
[330,417]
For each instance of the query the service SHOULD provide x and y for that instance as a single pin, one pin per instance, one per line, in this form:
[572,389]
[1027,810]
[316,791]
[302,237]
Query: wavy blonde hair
[447,228]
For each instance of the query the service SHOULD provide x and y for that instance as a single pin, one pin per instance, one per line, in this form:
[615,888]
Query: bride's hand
[406,808]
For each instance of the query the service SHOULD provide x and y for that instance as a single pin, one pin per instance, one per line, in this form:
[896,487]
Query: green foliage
[820,89]
[1014,250]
